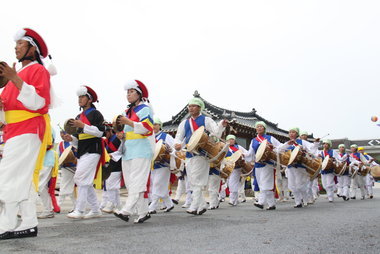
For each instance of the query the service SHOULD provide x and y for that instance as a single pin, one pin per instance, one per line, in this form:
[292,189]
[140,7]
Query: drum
[328,163]
[285,157]
[340,168]
[177,161]
[312,164]
[67,156]
[117,127]
[3,80]
[161,153]
[226,170]
[265,153]
[200,142]
[375,172]
[68,128]
[365,170]
[246,167]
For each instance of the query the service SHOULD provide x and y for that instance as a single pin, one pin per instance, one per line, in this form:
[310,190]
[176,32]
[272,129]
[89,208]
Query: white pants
[242,188]
[111,191]
[265,180]
[315,188]
[282,185]
[369,181]
[43,188]
[184,187]
[345,181]
[16,191]
[160,188]
[357,182]
[339,186]
[329,185]
[213,189]
[197,169]
[66,186]
[136,174]
[234,185]
[297,180]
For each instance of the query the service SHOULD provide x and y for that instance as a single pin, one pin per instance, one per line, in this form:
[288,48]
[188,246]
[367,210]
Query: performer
[357,165]
[213,184]
[327,174]
[137,151]
[297,175]
[183,187]
[234,181]
[264,172]
[160,174]
[282,183]
[309,198]
[25,101]
[88,140]
[47,183]
[197,166]
[111,188]
[66,184]
[344,180]
[368,179]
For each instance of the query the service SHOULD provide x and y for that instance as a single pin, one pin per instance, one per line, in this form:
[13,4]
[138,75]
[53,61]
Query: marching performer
[183,187]
[327,174]
[344,180]
[160,174]
[66,185]
[137,151]
[213,184]
[356,166]
[111,188]
[47,183]
[369,181]
[234,181]
[88,140]
[297,175]
[25,101]
[264,172]
[197,166]
[310,198]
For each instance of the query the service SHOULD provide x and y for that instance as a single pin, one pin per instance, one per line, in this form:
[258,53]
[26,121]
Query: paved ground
[339,227]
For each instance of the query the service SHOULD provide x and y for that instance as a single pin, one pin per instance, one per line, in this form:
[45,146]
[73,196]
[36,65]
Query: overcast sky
[311,64]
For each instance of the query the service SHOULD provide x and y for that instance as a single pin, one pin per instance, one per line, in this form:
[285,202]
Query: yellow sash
[83,136]
[16,116]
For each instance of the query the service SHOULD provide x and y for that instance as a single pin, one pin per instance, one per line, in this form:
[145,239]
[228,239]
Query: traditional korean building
[241,123]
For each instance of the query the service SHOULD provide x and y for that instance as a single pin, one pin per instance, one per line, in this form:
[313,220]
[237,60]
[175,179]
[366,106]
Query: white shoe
[92,214]
[185,206]
[75,215]
[46,215]
[109,208]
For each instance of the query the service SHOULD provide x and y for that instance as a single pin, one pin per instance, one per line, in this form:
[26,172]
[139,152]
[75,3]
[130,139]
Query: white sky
[311,64]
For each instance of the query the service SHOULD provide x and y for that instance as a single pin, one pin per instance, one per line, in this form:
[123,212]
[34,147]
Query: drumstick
[325,136]
[61,128]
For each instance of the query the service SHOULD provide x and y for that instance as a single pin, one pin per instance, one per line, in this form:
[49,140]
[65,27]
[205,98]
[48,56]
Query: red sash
[193,124]
[84,118]
[234,148]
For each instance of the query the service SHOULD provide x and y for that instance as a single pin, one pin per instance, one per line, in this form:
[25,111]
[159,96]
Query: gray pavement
[339,227]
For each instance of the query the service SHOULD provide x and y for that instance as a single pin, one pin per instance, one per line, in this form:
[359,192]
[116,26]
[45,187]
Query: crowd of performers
[123,157]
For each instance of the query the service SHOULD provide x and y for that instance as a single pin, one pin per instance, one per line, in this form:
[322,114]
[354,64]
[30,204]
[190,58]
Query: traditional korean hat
[231,137]
[138,86]
[157,120]
[327,141]
[86,90]
[197,101]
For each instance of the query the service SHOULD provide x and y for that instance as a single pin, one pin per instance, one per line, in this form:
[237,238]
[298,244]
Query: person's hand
[177,147]
[1,104]
[76,123]
[67,137]
[122,120]
[225,122]
[8,72]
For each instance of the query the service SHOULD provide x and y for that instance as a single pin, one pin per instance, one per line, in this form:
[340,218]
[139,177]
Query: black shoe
[231,204]
[371,197]
[221,200]
[153,212]
[298,206]
[175,201]
[272,208]
[141,220]
[6,235]
[122,216]
[339,196]
[202,211]
[30,232]
[243,201]
[345,198]
[163,208]
[169,209]
[258,205]
[353,198]
[191,212]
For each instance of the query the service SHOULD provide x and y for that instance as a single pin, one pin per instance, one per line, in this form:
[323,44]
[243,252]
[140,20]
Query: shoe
[30,232]
[258,205]
[6,235]
[169,209]
[191,212]
[175,201]
[75,215]
[371,197]
[243,201]
[221,200]
[331,201]
[213,207]
[353,198]
[231,204]
[202,211]
[339,196]
[92,214]
[46,215]
[163,208]
[109,208]
[345,198]
[298,206]
[142,219]
[272,208]
[121,216]
[185,206]
[362,198]
[153,212]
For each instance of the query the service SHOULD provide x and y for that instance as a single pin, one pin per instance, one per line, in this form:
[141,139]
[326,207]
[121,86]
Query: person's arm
[215,129]
[251,155]
[180,136]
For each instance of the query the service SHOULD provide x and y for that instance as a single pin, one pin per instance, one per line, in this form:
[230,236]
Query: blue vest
[291,148]
[347,161]
[214,171]
[255,146]
[327,170]
[200,121]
